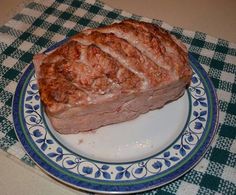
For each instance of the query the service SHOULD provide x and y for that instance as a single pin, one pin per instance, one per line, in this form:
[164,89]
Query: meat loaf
[111,74]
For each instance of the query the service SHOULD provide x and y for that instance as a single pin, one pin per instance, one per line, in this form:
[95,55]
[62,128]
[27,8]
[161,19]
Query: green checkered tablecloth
[43,23]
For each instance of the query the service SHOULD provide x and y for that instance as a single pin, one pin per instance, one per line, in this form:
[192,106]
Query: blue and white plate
[134,156]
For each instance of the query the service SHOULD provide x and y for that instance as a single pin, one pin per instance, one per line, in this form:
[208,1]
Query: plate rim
[190,165]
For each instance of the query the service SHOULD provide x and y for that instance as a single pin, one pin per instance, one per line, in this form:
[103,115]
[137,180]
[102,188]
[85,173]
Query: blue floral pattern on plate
[129,171]
[93,175]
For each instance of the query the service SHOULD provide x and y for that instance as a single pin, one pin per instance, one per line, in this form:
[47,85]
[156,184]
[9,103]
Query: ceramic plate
[134,156]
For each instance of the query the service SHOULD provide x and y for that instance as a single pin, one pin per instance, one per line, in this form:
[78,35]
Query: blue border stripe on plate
[117,186]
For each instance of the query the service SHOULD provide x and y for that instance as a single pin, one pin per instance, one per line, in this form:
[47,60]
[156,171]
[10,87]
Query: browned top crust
[97,64]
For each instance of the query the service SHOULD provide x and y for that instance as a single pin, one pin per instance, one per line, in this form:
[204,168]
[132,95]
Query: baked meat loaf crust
[111,74]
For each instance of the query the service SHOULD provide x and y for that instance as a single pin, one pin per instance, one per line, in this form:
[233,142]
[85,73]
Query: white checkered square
[91,1]
[224,95]
[166,26]
[46,3]
[25,46]
[58,37]
[227,76]
[213,143]
[232,45]
[189,33]
[126,14]
[207,52]
[11,87]
[108,8]
[187,188]
[39,32]
[69,24]
[202,165]
[187,45]
[16,150]
[230,59]
[229,174]
[80,12]
[9,62]
[222,116]
[9,118]
[18,25]
[206,68]
[51,19]
[116,21]
[211,39]
[1,104]
[146,19]
[233,147]
[98,18]
[7,39]
[62,7]
[2,135]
